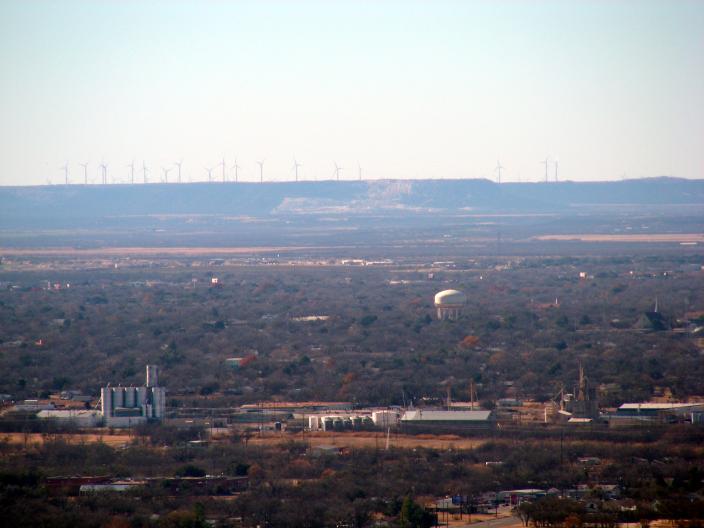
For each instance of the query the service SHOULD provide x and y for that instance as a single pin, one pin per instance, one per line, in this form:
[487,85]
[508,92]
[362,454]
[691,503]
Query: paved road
[500,522]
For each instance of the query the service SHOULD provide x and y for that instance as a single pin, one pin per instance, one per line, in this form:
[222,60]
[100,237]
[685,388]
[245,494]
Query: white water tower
[449,304]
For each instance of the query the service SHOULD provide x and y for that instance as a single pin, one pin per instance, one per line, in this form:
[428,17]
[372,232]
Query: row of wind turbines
[546,162]
[228,173]
[233,175]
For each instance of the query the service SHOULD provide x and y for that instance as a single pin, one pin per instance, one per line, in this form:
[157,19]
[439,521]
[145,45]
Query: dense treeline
[290,485]
[381,343]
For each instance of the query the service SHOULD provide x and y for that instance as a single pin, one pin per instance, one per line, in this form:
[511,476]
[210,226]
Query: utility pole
[303,429]
[562,438]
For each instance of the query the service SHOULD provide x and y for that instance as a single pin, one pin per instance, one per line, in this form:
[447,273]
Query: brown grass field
[347,439]
[115,440]
[686,238]
[370,439]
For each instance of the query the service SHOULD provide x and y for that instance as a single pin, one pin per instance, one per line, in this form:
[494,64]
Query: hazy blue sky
[407,89]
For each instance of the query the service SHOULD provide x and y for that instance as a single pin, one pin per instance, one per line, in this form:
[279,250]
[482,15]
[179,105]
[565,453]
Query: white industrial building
[128,406]
[77,417]
[449,304]
[423,417]
[32,406]
[353,420]
[338,422]
[633,413]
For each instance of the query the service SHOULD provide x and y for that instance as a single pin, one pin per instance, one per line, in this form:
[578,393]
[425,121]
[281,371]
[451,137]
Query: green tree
[413,515]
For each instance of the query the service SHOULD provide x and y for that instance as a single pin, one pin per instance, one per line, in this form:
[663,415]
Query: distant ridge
[58,203]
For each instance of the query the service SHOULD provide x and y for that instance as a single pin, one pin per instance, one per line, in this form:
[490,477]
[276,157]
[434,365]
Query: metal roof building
[634,413]
[653,408]
[420,416]
[81,418]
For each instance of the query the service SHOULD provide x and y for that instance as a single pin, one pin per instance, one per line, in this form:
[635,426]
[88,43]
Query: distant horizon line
[345,181]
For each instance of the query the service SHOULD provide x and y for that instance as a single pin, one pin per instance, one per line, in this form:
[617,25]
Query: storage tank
[313,423]
[129,396]
[385,418]
[155,404]
[158,402]
[357,422]
[140,397]
[118,397]
[152,376]
[106,401]
[328,424]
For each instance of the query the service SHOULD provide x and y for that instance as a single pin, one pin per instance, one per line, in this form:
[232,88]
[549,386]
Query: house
[119,486]
[515,497]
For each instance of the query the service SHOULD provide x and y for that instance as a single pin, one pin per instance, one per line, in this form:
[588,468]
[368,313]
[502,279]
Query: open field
[480,520]
[682,238]
[371,439]
[115,440]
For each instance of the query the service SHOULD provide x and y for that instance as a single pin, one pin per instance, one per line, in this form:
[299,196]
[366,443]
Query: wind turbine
[224,174]
[145,170]
[498,169]
[65,169]
[85,173]
[337,172]
[104,170]
[545,162]
[556,162]
[166,174]
[209,170]
[295,167]
[131,166]
[359,171]
[261,171]
[178,166]
[236,167]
